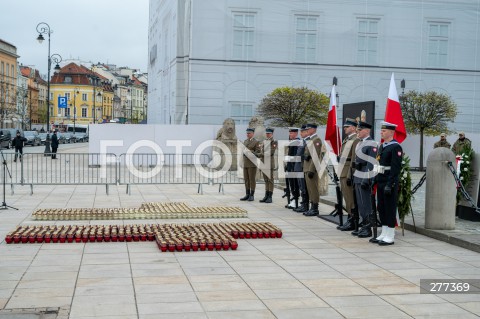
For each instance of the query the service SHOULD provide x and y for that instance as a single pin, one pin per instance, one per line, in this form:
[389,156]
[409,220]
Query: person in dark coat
[54,145]
[18,142]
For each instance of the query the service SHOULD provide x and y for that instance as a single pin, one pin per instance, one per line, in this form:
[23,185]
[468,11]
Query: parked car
[64,137]
[43,137]
[32,138]
[80,137]
[13,133]
[5,138]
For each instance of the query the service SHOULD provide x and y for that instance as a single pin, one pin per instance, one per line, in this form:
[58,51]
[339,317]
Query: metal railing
[135,169]
[109,169]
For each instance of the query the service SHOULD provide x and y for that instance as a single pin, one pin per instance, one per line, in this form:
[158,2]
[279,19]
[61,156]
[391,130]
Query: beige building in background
[8,83]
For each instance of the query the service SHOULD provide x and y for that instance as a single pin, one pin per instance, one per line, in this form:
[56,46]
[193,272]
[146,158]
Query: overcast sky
[108,31]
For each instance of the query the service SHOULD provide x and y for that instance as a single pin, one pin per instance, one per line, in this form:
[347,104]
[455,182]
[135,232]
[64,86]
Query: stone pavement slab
[313,271]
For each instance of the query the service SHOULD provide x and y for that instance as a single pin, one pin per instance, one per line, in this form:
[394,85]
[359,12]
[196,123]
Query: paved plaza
[314,271]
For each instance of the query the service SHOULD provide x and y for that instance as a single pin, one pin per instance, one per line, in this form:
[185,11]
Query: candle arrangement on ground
[169,237]
[153,210]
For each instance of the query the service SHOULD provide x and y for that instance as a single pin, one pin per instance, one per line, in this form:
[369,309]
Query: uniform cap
[364,125]
[443,135]
[388,126]
[350,122]
[250,130]
[461,133]
[293,129]
[310,125]
[304,127]
[269,130]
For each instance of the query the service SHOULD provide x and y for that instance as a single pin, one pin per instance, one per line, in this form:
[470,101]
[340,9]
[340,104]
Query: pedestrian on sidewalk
[54,144]
[18,142]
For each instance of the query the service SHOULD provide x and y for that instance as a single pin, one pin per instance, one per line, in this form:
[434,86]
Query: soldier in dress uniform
[346,174]
[314,143]
[298,168]
[389,156]
[443,142]
[291,162]
[365,154]
[249,167]
[268,149]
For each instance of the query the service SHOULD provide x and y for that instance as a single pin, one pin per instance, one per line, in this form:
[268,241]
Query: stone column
[440,194]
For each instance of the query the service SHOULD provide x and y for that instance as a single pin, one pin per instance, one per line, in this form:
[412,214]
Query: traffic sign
[62,102]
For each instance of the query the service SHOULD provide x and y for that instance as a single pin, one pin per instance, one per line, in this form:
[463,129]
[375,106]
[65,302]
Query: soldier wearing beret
[346,174]
[313,153]
[268,149]
[363,178]
[249,165]
[389,156]
[443,142]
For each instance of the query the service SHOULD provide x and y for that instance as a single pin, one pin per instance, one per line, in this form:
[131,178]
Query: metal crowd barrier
[109,169]
[135,169]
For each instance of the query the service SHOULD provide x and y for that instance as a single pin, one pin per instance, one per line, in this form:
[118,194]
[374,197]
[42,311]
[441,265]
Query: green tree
[289,106]
[427,114]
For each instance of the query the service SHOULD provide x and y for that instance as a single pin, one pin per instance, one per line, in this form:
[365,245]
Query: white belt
[292,159]
[381,169]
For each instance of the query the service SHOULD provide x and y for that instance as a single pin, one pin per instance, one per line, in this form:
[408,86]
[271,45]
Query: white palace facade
[213,59]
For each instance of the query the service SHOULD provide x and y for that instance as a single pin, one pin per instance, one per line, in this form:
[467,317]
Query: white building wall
[213,79]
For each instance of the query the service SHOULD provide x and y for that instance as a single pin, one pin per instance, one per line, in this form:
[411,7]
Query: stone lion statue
[227,132]
[256,122]
[227,136]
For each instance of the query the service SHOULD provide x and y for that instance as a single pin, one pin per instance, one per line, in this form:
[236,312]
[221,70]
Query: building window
[437,44]
[240,112]
[84,96]
[367,42]
[68,79]
[306,33]
[67,112]
[84,112]
[51,96]
[67,95]
[243,35]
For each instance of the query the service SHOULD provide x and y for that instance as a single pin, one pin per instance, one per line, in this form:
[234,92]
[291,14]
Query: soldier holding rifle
[366,151]
[346,174]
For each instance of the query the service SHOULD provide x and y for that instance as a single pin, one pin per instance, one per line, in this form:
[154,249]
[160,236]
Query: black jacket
[54,142]
[18,141]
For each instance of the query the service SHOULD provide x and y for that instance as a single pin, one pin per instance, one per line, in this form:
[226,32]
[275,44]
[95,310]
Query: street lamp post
[75,92]
[24,107]
[44,28]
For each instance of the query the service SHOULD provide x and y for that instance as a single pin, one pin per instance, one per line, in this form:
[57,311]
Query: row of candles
[168,210]
[169,237]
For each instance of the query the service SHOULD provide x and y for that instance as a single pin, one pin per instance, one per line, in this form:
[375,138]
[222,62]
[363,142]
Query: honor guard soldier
[249,166]
[268,149]
[365,154]
[443,142]
[313,154]
[346,174]
[291,161]
[298,168]
[389,158]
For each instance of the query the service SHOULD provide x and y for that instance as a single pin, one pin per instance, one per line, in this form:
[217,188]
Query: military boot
[269,198]
[264,198]
[313,211]
[365,232]
[247,195]
[251,198]
[357,231]
[348,226]
[303,208]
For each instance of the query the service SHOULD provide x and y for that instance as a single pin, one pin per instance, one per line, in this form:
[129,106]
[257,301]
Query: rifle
[286,191]
[373,215]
